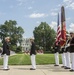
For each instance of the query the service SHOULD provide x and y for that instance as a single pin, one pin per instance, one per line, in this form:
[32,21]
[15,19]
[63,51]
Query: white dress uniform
[56,59]
[56,54]
[72,53]
[33,61]
[67,49]
[63,55]
[5,62]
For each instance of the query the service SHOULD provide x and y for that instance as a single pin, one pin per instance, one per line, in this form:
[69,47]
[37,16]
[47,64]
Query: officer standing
[67,50]
[56,48]
[6,53]
[72,52]
[33,54]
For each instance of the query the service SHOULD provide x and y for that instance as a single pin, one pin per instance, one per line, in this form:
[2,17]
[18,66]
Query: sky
[30,13]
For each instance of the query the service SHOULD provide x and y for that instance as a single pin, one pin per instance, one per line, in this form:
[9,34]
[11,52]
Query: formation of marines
[67,52]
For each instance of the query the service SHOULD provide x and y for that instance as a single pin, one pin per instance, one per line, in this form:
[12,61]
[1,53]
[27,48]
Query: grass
[23,59]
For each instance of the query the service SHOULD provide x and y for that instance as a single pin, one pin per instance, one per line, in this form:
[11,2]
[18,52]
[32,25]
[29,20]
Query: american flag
[58,37]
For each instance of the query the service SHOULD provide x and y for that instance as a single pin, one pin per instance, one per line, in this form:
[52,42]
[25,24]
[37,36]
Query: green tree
[10,28]
[44,36]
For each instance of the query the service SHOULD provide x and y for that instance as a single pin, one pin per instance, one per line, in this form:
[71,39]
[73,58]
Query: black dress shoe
[56,65]
[32,69]
[71,70]
[63,66]
[67,68]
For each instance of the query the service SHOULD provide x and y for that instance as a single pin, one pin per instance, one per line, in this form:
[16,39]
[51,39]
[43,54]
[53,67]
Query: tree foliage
[44,36]
[10,28]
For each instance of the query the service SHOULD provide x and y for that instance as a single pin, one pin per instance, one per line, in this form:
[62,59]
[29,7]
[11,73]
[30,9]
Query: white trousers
[5,62]
[57,58]
[72,60]
[64,59]
[33,61]
[68,62]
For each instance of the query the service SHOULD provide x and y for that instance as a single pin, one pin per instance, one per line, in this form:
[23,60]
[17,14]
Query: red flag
[58,32]
[63,27]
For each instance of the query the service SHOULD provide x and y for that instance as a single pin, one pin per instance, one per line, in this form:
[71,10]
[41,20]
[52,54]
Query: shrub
[19,49]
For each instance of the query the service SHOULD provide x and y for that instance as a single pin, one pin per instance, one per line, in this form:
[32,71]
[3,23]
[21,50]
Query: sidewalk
[41,70]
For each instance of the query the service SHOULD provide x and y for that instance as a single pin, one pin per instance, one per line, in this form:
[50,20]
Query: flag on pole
[58,31]
[63,27]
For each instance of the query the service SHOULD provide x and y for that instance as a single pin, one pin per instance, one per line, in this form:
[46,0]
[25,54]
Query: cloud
[71,27]
[29,8]
[53,25]
[72,5]
[21,2]
[59,5]
[68,19]
[37,15]
[38,22]
[53,14]
[69,3]
[55,9]
[24,2]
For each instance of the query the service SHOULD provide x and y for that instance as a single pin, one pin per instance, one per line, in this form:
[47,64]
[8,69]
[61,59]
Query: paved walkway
[41,70]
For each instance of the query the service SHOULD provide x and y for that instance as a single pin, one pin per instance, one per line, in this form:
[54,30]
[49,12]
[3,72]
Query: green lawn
[23,59]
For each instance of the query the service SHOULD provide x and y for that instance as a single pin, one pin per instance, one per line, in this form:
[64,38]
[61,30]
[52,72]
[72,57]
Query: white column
[33,61]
